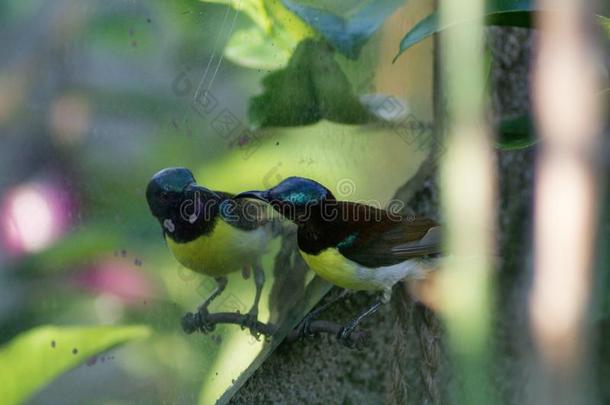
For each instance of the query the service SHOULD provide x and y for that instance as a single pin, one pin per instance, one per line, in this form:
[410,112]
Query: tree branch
[206,322]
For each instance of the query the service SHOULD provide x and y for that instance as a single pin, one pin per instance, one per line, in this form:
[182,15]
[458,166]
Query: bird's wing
[390,241]
[245,214]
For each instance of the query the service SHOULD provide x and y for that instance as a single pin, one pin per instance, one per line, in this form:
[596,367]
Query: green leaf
[347,25]
[312,87]
[516,133]
[32,359]
[269,43]
[255,9]
[517,13]
[254,49]
[287,23]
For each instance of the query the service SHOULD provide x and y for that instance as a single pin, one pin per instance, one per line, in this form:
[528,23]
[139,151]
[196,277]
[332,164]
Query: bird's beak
[257,195]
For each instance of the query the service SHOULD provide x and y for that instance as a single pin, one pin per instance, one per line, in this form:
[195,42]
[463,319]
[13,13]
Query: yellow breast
[335,268]
[224,250]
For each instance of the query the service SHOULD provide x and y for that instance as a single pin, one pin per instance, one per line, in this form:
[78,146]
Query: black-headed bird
[352,245]
[209,232]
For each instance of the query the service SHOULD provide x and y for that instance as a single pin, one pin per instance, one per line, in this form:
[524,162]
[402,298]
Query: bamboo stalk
[569,118]
[467,179]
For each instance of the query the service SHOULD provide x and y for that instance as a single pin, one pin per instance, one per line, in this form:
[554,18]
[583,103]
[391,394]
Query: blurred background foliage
[87,115]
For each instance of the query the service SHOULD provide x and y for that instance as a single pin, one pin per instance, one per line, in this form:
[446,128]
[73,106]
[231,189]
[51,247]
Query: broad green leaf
[516,133]
[347,25]
[310,88]
[32,359]
[517,13]
[254,49]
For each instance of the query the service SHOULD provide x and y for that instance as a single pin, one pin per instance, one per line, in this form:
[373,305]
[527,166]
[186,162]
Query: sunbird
[352,245]
[209,232]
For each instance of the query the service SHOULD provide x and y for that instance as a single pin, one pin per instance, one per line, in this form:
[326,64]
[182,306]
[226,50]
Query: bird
[211,233]
[352,245]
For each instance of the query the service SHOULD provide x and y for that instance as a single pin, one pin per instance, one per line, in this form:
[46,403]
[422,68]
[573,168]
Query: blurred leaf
[516,133]
[498,12]
[285,19]
[73,249]
[254,49]
[517,13]
[255,9]
[347,26]
[32,359]
[310,88]
[270,42]
[604,22]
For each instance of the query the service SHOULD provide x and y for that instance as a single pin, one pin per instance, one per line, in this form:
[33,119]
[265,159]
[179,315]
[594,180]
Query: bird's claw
[250,321]
[305,327]
[344,336]
[196,322]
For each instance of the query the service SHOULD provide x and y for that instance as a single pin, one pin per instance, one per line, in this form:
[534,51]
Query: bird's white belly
[387,276]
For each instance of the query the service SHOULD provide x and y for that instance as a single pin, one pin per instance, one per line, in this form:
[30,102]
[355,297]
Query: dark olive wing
[391,241]
[245,214]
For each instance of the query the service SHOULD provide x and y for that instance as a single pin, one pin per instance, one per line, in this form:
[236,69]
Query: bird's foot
[196,322]
[245,272]
[250,321]
[344,336]
[305,325]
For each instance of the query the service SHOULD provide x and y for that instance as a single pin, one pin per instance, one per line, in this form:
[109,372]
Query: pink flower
[33,216]
[118,278]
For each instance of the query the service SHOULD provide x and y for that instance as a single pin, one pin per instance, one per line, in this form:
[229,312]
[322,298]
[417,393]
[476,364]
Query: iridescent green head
[293,197]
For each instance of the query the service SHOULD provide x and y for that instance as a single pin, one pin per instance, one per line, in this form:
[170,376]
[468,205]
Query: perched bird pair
[351,245]
[210,233]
